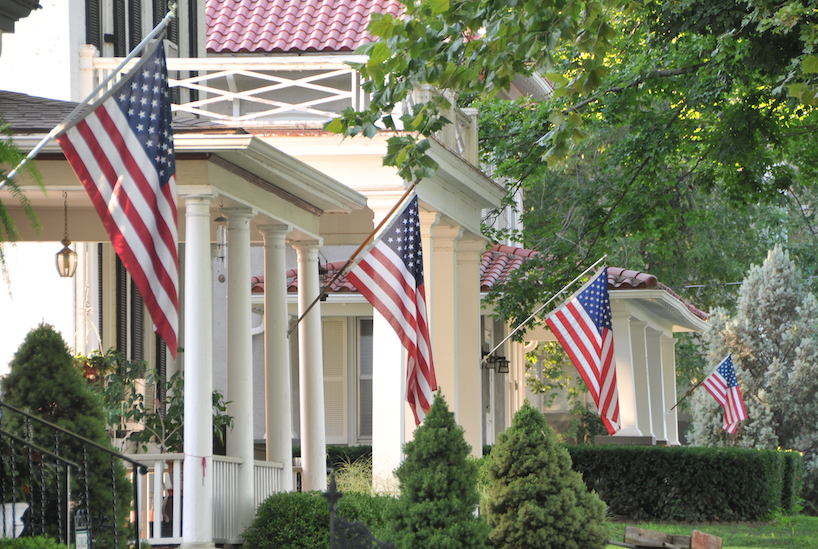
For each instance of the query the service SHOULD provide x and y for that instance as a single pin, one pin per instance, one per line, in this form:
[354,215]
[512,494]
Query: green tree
[44,382]
[10,155]
[535,499]
[773,338]
[438,488]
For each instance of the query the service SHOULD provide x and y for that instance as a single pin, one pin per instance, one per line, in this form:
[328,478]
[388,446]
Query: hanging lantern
[66,258]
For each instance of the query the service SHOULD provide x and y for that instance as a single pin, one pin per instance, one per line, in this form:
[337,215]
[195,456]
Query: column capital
[668,340]
[194,192]
[429,219]
[239,212]
[274,231]
[447,232]
[640,324]
[307,245]
[470,250]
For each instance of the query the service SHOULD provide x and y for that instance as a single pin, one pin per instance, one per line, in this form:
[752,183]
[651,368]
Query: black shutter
[100,318]
[121,308]
[93,23]
[173,27]
[137,324]
[160,8]
[193,38]
[135,24]
[120,35]
[162,368]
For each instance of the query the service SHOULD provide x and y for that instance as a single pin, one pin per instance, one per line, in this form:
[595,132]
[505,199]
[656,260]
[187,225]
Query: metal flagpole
[553,297]
[84,103]
[353,256]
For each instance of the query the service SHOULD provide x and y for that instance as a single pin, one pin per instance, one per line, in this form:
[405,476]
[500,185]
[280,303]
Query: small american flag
[390,276]
[122,153]
[723,385]
[584,329]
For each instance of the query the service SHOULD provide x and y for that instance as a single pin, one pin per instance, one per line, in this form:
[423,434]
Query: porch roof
[498,262]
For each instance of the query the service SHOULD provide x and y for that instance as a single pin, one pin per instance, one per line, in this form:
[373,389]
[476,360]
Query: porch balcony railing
[163,511]
[278,92]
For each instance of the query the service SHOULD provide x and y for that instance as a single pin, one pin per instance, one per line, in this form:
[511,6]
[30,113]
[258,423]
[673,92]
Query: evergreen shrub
[685,483]
[30,543]
[438,489]
[300,520]
[793,480]
[535,499]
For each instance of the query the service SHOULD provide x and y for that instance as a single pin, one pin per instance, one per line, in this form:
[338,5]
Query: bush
[30,543]
[793,480]
[300,520]
[438,493]
[689,483]
[535,500]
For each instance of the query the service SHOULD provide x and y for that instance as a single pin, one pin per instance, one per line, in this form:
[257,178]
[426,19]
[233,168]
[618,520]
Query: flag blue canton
[728,373]
[403,238]
[145,100]
[594,299]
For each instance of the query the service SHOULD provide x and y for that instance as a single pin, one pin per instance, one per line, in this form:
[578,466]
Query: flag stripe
[723,385]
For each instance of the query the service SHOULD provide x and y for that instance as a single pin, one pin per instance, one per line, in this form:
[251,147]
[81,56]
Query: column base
[198,545]
[640,440]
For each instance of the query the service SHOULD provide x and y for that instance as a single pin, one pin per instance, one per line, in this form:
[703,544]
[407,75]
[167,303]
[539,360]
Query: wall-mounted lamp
[221,237]
[66,258]
[494,362]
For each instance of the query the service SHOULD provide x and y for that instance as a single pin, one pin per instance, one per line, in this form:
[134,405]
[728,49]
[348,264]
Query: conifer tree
[438,488]
[535,500]
[44,382]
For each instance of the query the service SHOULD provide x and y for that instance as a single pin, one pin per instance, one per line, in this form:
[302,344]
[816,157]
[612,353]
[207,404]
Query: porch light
[500,363]
[221,237]
[66,258]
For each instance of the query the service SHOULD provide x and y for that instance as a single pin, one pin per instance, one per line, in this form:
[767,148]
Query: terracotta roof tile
[281,26]
[496,265]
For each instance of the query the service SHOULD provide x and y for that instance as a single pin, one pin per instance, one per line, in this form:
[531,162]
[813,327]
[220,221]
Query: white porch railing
[161,512]
[275,92]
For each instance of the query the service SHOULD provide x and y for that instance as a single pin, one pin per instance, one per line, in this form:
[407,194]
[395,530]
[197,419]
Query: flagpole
[697,385]
[553,297]
[84,103]
[363,245]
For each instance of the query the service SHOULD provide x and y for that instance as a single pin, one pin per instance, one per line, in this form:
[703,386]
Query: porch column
[656,385]
[469,346]
[444,312]
[311,371]
[428,221]
[277,388]
[240,358]
[669,382]
[197,528]
[623,356]
[639,362]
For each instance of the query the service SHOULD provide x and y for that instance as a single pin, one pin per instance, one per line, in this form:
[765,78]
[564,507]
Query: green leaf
[810,64]
[438,6]
[336,125]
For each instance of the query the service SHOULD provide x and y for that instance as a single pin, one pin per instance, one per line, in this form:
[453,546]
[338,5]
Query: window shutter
[365,379]
[121,307]
[335,383]
[93,23]
[100,318]
[160,8]
[137,324]
[193,40]
[135,24]
[120,35]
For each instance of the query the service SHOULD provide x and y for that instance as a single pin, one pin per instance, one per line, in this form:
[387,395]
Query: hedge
[690,484]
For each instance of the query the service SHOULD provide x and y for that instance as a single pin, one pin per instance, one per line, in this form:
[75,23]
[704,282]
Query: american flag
[390,276]
[583,327]
[723,385]
[122,153]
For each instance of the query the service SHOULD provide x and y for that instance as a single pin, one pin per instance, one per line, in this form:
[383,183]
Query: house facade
[255,82]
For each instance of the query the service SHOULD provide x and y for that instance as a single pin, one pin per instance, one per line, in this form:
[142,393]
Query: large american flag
[583,327]
[390,276]
[122,152]
[723,385]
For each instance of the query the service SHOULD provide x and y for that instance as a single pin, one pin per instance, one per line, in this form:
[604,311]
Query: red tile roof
[496,265]
[282,26]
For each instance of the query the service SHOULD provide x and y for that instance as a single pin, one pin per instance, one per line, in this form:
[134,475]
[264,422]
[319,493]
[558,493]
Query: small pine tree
[44,382]
[535,499]
[438,488]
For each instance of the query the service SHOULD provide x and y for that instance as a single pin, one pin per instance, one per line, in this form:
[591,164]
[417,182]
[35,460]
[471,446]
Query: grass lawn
[797,532]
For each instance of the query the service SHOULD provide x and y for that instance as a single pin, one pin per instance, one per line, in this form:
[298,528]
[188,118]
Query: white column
[311,371]
[197,529]
[444,312]
[656,386]
[277,387]
[240,358]
[624,370]
[469,343]
[639,361]
[669,382]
